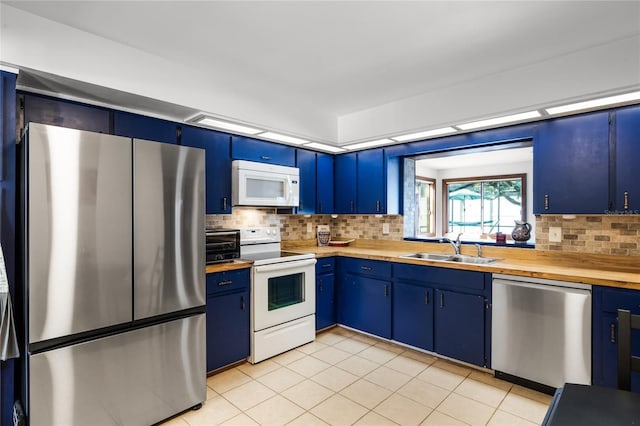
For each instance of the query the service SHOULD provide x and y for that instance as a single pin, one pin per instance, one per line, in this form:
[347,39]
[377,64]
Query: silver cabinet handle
[377,205]
[223,283]
[365,268]
[426,297]
[441,300]
[626,200]
[242,303]
[386,290]
[265,157]
[224,203]
[546,201]
[326,265]
[612,332]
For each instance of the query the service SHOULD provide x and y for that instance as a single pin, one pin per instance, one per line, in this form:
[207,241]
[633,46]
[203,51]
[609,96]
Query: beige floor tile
[502,418]
[176,421]
[307,394]
[358,366]
[329,338]
[331,355]
[338,411]
[531,394]
[490,380]
[280,379]
[351,346]
[420,356]
[453,367]
[481,392]
[214,411]
[275,411]
[307,419]
[312,347]
[526,408]
[288,357]
[211,393]
[402,410]
[227,380]
[248,395]
[388,378]
[436,418]
[423,392]
[343,331]
[366,393]
[374,419]
[259,369]
[308,366]
[365,339]
[406,365]
[376,354]
[439,377]
[391,347]
[334,378]
[466,410]
[240,420]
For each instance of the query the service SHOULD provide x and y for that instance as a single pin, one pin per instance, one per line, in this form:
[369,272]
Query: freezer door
[79,231]
[169,228]
[136,378]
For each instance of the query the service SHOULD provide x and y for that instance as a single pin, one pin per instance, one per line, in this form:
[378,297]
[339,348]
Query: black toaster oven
[223,245]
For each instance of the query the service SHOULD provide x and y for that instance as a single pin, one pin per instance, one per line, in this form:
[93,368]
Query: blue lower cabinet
[460,326]
[228,310]
[325,297]
[365,304]
[413,315]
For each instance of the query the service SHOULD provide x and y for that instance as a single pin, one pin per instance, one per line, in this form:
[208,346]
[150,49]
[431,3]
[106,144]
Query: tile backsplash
[294,227]
[597,234]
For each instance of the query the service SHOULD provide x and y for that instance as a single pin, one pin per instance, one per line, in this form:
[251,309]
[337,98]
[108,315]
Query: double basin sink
[458,258]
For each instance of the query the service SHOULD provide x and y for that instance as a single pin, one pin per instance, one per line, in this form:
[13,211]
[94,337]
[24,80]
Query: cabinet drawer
[228,280]
[441,277]
[325,265]
[374,268]
[614,299]
[416,273]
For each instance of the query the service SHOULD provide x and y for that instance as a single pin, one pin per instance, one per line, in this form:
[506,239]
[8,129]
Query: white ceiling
[476,159]
[334,58]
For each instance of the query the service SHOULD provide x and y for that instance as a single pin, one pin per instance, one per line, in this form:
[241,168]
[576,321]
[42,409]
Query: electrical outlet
[309,228]
[385,228]
[555,234]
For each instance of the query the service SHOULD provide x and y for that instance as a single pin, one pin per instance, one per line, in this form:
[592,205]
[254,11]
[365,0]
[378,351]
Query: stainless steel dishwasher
[541,330]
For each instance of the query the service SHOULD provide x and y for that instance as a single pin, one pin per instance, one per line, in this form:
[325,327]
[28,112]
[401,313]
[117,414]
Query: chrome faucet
[479,247]
[455,244]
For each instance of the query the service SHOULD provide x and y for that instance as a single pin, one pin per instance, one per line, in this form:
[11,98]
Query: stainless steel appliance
[541,330]
[223,245]
[114,273]
[283,294]
[269,185]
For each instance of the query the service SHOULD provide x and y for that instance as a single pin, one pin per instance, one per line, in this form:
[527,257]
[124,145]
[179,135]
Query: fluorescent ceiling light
[499,120]
[324,147]
[225,125]
[425,134]
[369,144]
[594,103]
[283,138]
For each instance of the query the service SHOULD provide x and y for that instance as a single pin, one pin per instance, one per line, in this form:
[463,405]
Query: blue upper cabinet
[627,190]
[345,183]
[217,146]
[324,183]
[141,127]
[306,162]
[244,148]
[571,165]
[371,182]
[45,110]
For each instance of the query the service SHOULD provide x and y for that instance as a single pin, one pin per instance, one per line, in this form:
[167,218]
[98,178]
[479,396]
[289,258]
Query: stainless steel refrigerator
[115,278]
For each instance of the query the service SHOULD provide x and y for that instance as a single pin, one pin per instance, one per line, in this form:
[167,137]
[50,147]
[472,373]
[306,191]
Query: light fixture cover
[594,103]
[321,146]
[369,144]
[225,125]
[499,120]
[283,138]
[424,134]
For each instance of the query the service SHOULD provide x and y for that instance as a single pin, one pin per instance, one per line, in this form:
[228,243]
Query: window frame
[445,194]
[432,207]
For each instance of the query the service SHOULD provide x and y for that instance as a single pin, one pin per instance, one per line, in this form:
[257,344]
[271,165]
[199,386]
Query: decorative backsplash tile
[598,234]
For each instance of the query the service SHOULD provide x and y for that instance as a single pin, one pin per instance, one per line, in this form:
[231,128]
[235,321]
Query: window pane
[503,205]
[465,207]
[424,207]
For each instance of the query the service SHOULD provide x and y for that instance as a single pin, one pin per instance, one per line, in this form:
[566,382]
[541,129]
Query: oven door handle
[285,265]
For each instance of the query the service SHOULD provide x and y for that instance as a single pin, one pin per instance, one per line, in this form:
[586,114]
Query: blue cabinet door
[413,315]
[627,192]
[460,326]
[227,329]
[306,162]
[324,183]
[325,301]
[74,115]
[570,165]
[141,127]
[371,182]
[365,304]
[345,183]
[217,146]
[244,148]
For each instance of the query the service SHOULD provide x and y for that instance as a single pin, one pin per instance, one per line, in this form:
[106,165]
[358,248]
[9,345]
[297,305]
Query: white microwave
[268,185]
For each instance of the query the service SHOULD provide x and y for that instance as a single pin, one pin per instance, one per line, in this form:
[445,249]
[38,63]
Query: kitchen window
[425,207]
[482,206]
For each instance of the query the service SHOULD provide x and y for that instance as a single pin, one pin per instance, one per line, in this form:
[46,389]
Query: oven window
[286,290]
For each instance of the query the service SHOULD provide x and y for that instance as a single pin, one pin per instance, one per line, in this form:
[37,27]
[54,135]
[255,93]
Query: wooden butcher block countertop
[227,266]
[605,270]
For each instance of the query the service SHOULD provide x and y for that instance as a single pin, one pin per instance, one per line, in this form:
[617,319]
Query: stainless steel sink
[460,258]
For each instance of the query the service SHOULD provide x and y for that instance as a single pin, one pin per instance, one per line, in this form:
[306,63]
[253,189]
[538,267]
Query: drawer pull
[612,332]
[224,203]
[326,265]
[441,300]
[386,290]
[365,268]
[242,303]
[377,205]
[626,200]
[546,201]
[426,297]
[265,157]
[223,283]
